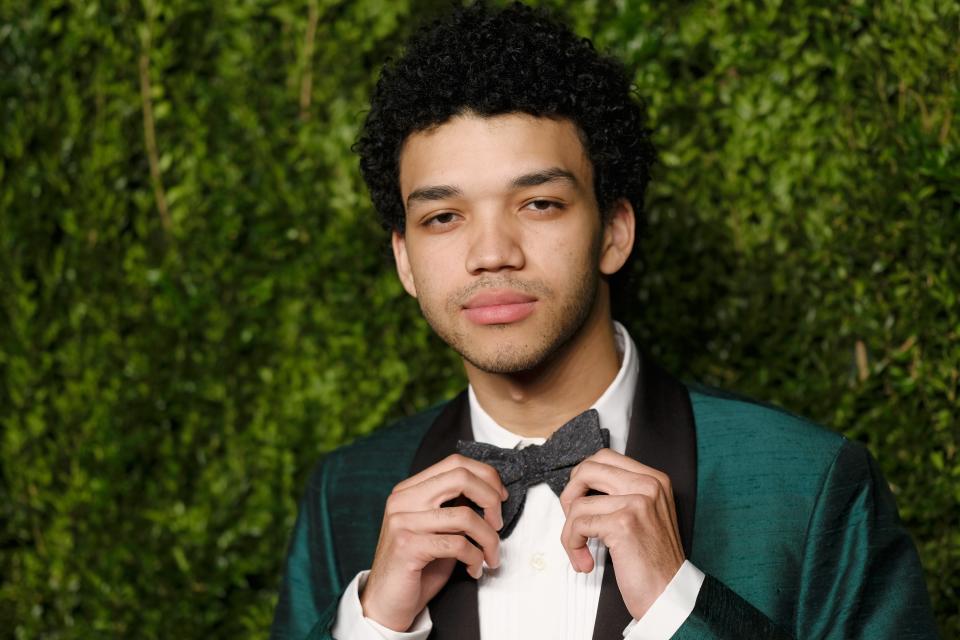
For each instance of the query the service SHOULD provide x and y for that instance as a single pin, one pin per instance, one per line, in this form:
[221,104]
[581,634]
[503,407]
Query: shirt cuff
[669,611]
[351,624]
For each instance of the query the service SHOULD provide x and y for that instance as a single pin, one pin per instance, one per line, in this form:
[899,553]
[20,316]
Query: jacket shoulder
[797,520]
[734,423]
[760,460]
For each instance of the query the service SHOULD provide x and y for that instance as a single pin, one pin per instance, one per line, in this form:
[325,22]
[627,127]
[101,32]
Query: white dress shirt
[535,593]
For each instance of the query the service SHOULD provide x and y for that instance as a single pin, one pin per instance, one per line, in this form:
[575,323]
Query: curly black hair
[495,61]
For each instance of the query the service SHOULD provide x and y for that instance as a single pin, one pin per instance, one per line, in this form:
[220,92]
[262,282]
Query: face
[504,245]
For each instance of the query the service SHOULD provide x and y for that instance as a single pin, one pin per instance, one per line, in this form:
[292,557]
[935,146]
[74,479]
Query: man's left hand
[636,520]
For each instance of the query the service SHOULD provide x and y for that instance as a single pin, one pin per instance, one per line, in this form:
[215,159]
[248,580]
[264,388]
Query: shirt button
[538,562]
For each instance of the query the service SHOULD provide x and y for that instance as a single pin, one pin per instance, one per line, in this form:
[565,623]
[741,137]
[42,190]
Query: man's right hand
[421,541]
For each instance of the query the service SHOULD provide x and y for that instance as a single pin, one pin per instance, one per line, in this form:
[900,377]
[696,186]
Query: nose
[494,245]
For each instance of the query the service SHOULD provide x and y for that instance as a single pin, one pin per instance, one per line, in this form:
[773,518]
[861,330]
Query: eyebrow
[536,178]
[437,192]
[532,179]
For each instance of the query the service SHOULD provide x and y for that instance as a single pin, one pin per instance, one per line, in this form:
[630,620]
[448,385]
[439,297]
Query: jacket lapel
[454,609]
[662,435]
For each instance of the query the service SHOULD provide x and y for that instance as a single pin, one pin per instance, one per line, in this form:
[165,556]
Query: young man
[575,490]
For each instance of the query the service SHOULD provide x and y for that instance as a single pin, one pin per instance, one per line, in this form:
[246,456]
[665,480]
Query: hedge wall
[195,300]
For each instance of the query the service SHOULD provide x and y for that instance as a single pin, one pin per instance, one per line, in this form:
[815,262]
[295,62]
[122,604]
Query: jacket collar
[662,435]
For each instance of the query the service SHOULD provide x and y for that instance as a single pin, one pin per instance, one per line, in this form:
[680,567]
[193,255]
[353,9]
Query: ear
[617,237]
[403,262]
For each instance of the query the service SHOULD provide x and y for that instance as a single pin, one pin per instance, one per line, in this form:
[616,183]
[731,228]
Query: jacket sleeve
[861,575]
[311,585]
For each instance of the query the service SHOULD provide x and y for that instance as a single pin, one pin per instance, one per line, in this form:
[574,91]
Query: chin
[506,358]
[505,362]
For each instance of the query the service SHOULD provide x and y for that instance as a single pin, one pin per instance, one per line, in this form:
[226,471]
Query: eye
[544,206]
[440,220]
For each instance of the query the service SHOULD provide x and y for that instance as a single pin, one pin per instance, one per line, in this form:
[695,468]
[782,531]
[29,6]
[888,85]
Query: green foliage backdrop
[195,300]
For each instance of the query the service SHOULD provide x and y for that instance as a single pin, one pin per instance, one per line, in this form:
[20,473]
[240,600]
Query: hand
[421,541]
[637,521]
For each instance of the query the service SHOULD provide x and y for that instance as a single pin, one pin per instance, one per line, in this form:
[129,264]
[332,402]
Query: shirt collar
[614,405]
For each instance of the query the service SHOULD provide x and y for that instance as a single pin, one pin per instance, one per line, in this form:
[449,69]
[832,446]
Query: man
[509,161]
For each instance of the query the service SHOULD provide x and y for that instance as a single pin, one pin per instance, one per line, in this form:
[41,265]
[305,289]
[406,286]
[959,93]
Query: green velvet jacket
[793,524]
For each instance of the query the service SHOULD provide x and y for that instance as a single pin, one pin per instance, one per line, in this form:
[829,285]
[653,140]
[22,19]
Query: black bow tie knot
[550,462]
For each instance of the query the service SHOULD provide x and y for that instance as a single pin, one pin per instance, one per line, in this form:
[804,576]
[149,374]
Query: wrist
[370,609]
[655,588]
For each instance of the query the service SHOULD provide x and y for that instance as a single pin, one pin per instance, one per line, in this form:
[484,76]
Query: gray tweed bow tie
[550,462]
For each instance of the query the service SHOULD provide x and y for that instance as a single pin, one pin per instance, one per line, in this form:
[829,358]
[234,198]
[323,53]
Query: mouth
[499,307]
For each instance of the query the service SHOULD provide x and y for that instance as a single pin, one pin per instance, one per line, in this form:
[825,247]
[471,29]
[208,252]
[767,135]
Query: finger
[607,479]
[612,458]
[480,469]
[447,485]
[464,520]
[432,547]
[577,551]
[604,526]
[461,520]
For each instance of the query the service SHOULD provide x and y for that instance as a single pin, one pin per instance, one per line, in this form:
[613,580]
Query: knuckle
[451,545]
[588,522]
[665,482]
[644,505]
[403,540]
[491,475]
[624,519]
[649,485]
[461,475]
[447,514]
[444,544]
[391,522]
[392,500]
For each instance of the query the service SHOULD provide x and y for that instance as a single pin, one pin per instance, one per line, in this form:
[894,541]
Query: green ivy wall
[196,301]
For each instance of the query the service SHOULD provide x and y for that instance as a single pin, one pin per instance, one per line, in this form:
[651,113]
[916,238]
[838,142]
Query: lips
[499,307]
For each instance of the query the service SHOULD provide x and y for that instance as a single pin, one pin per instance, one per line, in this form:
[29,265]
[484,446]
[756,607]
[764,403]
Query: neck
[537,402]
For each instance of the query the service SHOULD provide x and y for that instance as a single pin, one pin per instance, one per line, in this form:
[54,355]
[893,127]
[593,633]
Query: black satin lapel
[662,436]
[440,440]
[454,608]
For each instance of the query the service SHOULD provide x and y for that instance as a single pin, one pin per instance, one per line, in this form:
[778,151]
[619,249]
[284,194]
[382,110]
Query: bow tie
[550,462]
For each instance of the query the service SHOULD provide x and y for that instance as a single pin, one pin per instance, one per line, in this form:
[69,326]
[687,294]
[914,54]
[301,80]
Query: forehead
[482,152]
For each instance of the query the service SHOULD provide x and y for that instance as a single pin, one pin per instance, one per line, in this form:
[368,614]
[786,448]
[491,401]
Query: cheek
[570,252]
[427,277]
